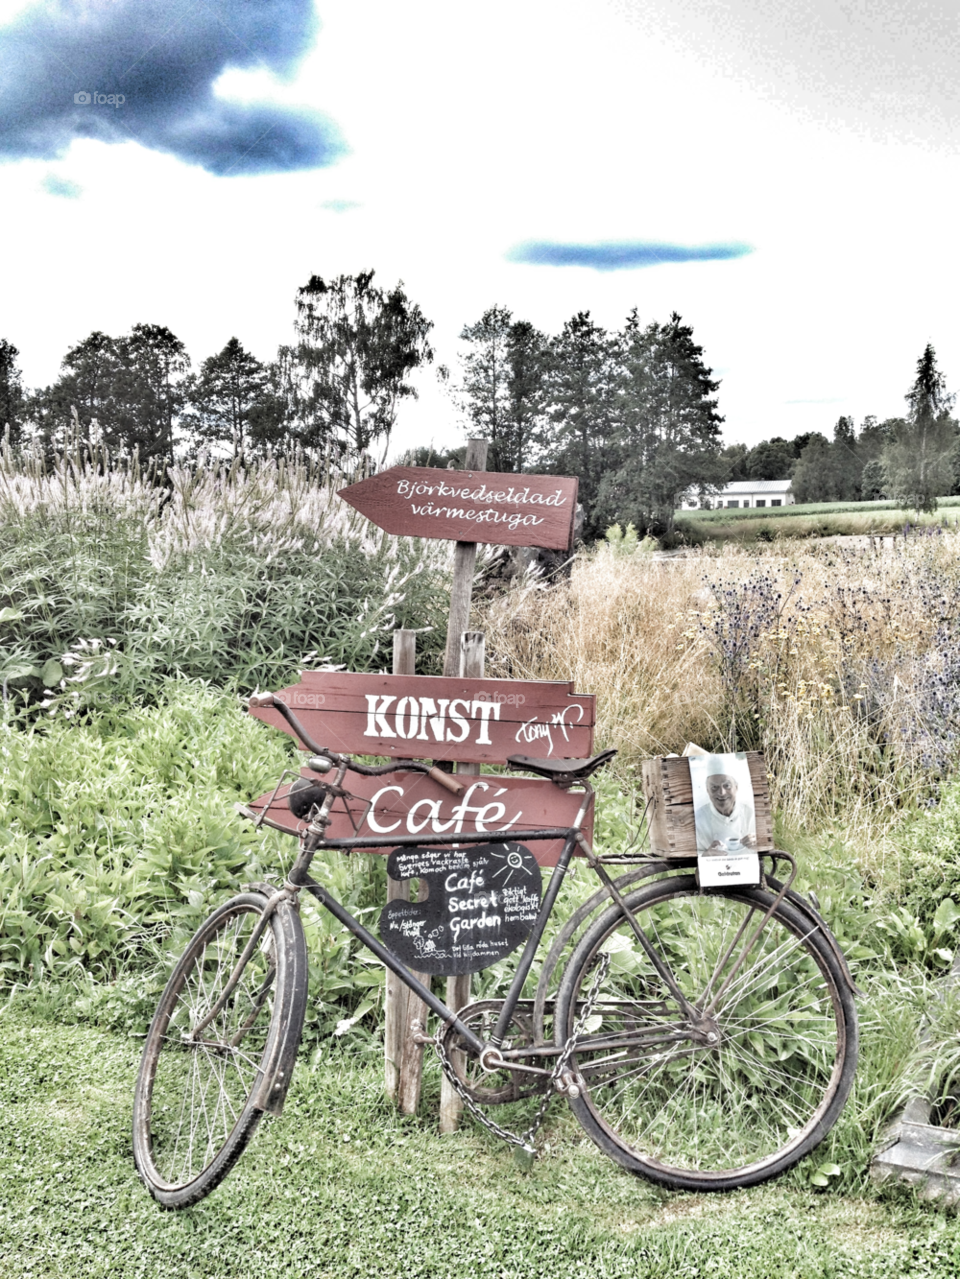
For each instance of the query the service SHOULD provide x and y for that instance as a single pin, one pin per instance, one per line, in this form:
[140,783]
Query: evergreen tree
[233,403]
[149,391]
[918,460]
[845,463]
[356,347]
[503,393]
[668,423]
[580,436]
[873,481]
[11,391]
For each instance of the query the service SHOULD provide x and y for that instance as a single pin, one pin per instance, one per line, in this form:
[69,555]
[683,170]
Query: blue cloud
[622,255]
[61,186]
[145,70]
[340,206]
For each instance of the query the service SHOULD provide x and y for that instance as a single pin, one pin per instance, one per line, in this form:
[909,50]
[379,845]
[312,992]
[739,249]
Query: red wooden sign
[469,506]
[479,721]
[414,804]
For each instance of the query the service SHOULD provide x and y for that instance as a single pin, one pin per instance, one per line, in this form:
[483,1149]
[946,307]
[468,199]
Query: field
[132,631]
[811,520]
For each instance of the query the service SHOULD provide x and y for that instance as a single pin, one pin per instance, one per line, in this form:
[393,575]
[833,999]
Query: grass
[341,1186]
[839,663]
[809,520]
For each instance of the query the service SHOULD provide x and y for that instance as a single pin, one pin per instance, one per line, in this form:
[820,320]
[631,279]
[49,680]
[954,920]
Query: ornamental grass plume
[842,664]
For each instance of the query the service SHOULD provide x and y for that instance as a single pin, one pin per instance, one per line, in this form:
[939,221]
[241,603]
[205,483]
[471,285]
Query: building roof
[758,486]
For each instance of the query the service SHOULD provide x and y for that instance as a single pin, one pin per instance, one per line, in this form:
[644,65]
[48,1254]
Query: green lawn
[341,1186]
[813,519]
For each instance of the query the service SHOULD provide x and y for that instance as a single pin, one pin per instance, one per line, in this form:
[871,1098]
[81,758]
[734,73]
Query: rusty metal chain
[525,1141]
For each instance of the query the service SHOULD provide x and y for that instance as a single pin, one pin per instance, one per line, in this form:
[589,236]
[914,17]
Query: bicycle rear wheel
[700,1077]
[200,1094]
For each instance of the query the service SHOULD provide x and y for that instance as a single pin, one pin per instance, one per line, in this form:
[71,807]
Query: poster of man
[723,804]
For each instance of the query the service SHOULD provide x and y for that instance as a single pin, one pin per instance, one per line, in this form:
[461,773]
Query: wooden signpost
[460,719]
[469,506]
[475,721]
[414,804]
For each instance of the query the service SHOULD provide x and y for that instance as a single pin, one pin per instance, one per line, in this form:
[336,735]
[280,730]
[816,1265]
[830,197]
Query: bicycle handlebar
[447,780]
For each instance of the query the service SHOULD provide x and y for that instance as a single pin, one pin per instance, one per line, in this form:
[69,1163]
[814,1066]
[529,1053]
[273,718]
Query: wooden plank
[472,505]
[414,804]
[467,720]
[670,818]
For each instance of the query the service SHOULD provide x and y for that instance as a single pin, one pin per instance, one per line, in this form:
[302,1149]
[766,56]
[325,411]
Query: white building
[742,493]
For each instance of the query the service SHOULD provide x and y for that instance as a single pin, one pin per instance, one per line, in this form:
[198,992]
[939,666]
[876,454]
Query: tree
[581,436]
[127,393]
[355,349]
[11,391]
[88,385]
[503,392]
[845,463]
[918,460]
[873,481]
[813,478]
[149,391]
[772,459]
[669,425]
[233,402]
[735,460]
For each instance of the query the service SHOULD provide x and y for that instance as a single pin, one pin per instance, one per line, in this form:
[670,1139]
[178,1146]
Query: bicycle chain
[525,1140]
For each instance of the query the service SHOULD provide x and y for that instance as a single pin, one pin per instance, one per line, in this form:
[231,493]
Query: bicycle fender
[270,1091]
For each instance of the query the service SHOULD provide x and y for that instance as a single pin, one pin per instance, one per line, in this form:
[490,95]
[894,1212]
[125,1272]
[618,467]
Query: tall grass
[842,665]
[113,578]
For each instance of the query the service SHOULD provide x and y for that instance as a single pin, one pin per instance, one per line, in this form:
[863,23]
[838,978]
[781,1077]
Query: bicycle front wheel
[205,1080]
[725,1063]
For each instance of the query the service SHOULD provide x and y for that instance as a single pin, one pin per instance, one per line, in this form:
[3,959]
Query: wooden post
[395,994]
[472,649]
[463,646]
[403,1059]
[464,563]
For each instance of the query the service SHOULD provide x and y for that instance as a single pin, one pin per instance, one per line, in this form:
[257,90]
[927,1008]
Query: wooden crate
[667,786]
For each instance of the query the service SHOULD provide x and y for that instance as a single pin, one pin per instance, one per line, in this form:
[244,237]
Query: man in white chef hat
[726,824]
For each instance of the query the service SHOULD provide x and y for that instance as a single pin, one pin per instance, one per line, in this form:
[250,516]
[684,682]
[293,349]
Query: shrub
[110,582]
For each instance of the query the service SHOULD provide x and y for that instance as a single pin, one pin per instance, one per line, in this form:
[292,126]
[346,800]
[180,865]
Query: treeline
[632,413]
[335,388]
[914,458]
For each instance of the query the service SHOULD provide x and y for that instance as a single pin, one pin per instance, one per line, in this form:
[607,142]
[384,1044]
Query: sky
[783,173]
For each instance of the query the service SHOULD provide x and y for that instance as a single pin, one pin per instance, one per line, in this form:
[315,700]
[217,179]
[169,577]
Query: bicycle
[704,1038]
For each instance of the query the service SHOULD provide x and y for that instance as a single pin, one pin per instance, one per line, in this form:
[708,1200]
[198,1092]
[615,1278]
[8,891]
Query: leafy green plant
[912,940]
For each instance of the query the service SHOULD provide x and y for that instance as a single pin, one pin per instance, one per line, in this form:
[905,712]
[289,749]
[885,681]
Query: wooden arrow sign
[469,506]
[434,717]
[413,804]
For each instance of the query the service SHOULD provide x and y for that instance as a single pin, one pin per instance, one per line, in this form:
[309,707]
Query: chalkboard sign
[482,904]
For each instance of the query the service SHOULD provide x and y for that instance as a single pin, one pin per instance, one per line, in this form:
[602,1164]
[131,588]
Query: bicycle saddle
[562,771]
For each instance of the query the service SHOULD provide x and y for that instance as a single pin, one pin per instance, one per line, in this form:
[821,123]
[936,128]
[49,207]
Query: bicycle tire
[197,1102]
[677,1109]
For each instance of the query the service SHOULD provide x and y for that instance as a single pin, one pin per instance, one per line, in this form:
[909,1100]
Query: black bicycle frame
[300,878]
